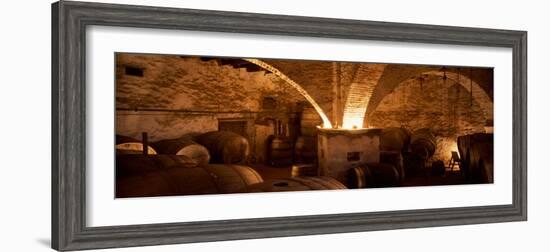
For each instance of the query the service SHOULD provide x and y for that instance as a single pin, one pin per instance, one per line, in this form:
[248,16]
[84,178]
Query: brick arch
[384,88]
[445,108]
[393,75]
[295,85]
[360,91]
[478,94]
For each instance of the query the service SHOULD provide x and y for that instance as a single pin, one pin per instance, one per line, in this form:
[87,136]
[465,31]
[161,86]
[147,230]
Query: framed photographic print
[177,125]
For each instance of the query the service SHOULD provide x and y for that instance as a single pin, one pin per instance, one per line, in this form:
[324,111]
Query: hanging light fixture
[455,108]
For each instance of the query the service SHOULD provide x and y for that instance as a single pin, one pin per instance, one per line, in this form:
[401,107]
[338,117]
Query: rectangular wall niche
[133,71]
[354,156]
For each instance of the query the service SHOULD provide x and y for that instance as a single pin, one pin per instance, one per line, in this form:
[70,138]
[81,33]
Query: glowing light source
[354,120]
[303,92]
[361,89]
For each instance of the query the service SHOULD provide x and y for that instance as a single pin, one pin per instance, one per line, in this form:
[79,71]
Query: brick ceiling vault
[478,94]
[390,79]
[360,91]
[394,75]
[359,94]
[298,87]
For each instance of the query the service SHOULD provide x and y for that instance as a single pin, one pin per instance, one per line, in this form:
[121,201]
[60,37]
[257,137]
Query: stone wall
[186,95]
[444,107]
[190,83]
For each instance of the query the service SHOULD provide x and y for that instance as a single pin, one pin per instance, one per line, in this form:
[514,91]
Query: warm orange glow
[352,122]
[359,94]
[303,92]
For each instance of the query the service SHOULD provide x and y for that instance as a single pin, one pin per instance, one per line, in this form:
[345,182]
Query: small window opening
[134,71]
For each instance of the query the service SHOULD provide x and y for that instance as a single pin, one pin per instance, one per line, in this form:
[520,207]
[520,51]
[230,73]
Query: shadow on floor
[45,242]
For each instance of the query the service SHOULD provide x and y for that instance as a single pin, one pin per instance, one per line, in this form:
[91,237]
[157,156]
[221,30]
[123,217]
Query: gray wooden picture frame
[69,21]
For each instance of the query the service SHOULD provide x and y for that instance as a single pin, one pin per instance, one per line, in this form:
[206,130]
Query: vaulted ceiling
[362,86]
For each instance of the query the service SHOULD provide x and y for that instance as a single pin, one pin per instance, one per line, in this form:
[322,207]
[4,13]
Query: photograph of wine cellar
[195,125]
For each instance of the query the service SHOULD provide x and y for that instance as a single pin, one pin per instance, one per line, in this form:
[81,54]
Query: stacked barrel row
[211,147]
[285,149]
[402,155]
[167,175]
[203,164]
[405,155]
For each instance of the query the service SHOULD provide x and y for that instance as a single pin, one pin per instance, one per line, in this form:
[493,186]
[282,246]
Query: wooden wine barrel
[184,147]
[394,139]
[480,153]
[423,143]
[280,152]
[382,175]
[463,144]
[394,158]
[486,169]
[233,178]
[225,147]
[129,165]
[438,168]
[209,179]
[128,145]
[167,182]
[357,177]
[306,149]
[174,161]
[304,170]
[310,119]
[475,149]
[297,184]
[374,175]
[413,165]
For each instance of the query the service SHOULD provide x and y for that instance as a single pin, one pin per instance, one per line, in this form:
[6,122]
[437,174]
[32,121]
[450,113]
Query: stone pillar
[340,150]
